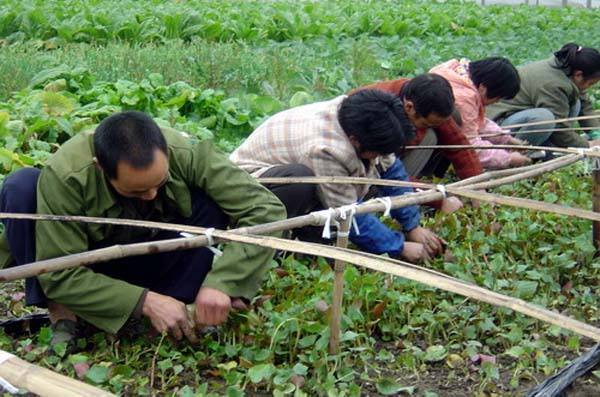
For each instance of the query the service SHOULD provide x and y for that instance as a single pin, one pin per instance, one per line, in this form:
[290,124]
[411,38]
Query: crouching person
[129,168]
[356,136]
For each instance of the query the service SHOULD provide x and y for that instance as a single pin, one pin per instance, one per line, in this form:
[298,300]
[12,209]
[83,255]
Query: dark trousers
[178,274]
[298,198]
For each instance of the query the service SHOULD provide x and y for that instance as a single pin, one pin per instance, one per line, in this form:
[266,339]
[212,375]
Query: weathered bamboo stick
[563,120]
[335,324]
[490,134]
[387,182]
[315,218]
[408,271]
[542,169]
[526,203]
[343,180]
[588,152]
[488,175]
[42,381]
[596,208]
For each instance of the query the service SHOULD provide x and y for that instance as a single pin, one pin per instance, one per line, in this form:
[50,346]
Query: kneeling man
[356,136]
[130,168]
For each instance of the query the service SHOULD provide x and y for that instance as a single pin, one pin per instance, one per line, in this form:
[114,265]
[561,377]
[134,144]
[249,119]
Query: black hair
[377,120]
[128,136]
[498,75]
[572,57]
[430,93]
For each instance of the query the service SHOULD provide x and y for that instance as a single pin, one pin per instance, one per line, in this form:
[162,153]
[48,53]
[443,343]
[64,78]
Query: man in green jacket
[130,168]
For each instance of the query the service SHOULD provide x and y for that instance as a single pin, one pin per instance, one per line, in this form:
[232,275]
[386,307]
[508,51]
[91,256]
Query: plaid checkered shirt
[312,136]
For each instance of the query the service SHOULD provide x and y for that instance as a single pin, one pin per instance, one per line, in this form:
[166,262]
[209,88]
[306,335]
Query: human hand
[516,159]
[450,205]
[168,315]
[517,141]
[414,252]
[212,306]
[431,242]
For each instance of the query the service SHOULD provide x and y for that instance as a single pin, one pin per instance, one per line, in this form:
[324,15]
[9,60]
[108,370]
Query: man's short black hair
[430,93]
[377,120]
[129,136]
[498,75]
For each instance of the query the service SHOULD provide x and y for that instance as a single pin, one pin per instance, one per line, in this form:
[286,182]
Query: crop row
[156,21]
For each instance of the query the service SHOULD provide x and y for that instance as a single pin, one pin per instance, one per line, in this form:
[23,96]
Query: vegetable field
[216,70]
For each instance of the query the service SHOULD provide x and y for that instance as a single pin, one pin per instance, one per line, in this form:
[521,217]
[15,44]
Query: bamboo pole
[596,208]
[335,324]
[588,152]
[315,218]
[488,175]
[343,180]
[544,122]
[490,134]
[42,381]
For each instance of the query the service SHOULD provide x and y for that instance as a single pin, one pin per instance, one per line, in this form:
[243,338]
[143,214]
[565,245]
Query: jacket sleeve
[556,99]
[100,300]
[587,110]
[240,270]
[465,161]
[374,236]
[408,217]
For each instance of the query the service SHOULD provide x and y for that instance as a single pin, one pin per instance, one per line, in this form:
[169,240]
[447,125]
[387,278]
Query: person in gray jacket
[553,89]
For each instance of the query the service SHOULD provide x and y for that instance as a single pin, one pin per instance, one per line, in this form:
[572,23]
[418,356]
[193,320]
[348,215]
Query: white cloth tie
[328,215]
[348,211]
[387,201]
[441,189]
[211,241]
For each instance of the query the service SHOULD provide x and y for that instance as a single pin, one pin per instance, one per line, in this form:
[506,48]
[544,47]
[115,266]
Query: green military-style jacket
[71,184]
[543,85]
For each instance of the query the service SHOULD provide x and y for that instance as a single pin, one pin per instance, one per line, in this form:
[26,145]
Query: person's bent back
[354,135]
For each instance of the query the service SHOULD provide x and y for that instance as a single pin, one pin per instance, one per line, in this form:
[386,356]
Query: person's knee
[541,114]
[19,190]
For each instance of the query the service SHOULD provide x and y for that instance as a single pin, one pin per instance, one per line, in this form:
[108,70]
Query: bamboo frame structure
[468,188]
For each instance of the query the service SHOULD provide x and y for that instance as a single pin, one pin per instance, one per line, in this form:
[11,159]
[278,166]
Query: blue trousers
[178,274]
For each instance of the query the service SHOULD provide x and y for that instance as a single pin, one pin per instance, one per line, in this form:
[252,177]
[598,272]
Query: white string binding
[349,211]
[211,241]
[441,189]
[3,382]
[387,201]
[327,217]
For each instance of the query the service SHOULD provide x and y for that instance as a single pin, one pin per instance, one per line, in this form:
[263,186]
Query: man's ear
[409,107]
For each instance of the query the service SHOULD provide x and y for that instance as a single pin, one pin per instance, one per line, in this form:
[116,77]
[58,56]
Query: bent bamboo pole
[490,134]
[587,151]
[544,122]
[42,381]
[114,252]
